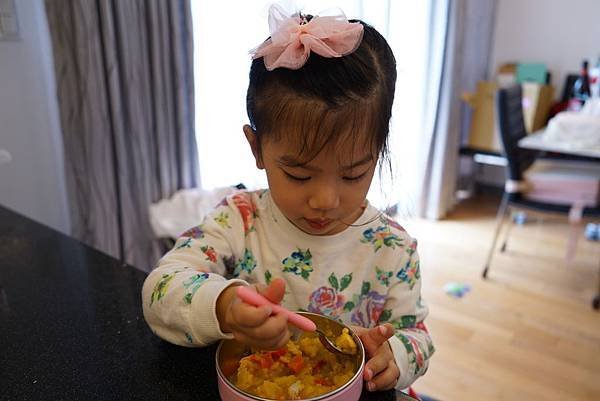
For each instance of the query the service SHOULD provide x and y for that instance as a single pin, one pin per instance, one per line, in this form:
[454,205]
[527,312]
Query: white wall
[560,33]
[33,182]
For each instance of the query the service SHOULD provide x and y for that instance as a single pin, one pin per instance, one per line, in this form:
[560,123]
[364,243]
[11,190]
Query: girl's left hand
[381,371]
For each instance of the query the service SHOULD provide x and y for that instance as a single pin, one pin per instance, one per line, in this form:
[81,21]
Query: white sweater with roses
[365,275]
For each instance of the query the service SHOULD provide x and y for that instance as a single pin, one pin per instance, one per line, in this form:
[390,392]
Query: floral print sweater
[365,275]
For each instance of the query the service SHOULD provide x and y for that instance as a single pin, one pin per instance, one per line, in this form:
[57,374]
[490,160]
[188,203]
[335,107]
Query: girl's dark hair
[327,99]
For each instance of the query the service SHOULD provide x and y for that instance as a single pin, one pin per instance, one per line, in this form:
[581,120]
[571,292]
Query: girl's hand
[253,325]
[381,371]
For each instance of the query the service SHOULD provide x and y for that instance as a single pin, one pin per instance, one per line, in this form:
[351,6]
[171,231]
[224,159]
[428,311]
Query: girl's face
[324,195]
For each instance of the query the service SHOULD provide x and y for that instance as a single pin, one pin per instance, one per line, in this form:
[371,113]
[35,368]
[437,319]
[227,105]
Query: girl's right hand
[251,325]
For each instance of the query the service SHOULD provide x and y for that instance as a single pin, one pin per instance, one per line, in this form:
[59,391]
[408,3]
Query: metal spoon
[330,345]
[303,323]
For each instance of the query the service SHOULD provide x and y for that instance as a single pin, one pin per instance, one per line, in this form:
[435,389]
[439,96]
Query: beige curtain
[125,91]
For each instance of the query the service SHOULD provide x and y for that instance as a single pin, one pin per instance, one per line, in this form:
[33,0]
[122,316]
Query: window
[224,35]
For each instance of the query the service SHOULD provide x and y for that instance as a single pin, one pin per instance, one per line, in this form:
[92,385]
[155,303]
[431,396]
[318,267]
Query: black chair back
[509,116]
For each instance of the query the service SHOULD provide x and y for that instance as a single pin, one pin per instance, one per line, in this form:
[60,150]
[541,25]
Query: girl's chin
[312,228]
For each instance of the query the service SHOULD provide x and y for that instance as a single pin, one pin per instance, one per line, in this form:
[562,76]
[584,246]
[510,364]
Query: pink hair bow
[292,38]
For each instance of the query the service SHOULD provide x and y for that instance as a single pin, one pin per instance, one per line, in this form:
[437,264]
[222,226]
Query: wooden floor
[526,333]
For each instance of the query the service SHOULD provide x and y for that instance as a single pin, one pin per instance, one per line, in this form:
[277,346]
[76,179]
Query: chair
[570,188]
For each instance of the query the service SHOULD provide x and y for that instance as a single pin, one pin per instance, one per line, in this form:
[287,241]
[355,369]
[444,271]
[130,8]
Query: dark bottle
[580,91]
[581,87]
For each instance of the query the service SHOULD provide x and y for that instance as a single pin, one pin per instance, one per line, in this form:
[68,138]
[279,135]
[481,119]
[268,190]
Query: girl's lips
[318,224]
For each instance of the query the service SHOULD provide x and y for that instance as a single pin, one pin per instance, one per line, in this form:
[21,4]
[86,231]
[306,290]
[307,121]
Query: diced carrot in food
[266,361]
[277,353]
[296,363]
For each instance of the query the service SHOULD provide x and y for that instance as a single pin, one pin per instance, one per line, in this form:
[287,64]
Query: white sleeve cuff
[203,317]
[401,357]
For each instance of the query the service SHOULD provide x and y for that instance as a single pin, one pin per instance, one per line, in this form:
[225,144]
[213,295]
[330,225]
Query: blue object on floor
[592,232]
[456,290]
[519,218]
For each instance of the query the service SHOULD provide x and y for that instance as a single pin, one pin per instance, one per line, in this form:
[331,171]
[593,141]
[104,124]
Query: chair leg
[575,216]
[511,223]
[500,217]
[596,300]
[574,230]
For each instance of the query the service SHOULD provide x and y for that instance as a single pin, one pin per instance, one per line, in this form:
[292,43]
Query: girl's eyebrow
[291,161]
[365,160]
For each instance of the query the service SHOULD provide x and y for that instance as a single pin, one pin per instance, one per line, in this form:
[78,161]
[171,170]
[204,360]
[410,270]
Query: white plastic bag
[186,208]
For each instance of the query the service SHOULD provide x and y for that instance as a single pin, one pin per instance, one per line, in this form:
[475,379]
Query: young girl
[319,104]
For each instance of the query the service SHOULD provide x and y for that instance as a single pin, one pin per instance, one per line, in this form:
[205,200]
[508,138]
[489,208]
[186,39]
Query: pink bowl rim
[357,375]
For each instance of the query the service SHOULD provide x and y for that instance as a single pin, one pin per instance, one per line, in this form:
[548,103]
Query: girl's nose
[325,197]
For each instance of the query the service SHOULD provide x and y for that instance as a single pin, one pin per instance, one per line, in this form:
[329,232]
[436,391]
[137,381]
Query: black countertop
[71,327]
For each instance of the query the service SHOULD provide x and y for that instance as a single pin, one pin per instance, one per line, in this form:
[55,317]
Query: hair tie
[292,38]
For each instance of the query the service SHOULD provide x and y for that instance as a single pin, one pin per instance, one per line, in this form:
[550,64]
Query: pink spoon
[254,298]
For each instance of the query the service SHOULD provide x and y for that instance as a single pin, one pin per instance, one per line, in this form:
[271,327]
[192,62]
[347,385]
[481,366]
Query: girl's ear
[253,142]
